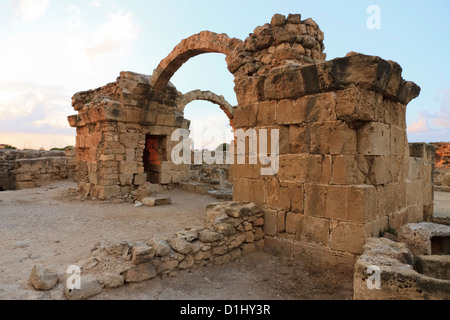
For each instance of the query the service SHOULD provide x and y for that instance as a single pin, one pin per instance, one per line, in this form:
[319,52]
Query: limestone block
[126,179]
[299,138]
[89,287]
[128,167]
[156,201]
[142,254]
[43,278]
[279,83]
[374,139]
[348,237]
[332,138]
[347,169]
[270,222]
[391,198]
[108,192]
[139,179]
[284,196]
[384,169]
[346,203]
[305,168]
[180,245]
[111,280]
[250,90]
[398,141]
[142,272]
[249,190]
[315,108]
[314,230]
[355,104]
[266,113]
[179,176]
[294,224]
[161,247]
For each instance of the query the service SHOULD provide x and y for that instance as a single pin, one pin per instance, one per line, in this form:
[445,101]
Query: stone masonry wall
[229,230]
[112,124]
[30,169]
[442,165]
[345,171]
[345,168]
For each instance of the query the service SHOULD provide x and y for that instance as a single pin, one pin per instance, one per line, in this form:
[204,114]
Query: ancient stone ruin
[346,170]
[27,169]
[442,166]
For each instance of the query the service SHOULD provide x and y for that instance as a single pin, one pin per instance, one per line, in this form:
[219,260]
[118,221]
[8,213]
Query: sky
[51,49]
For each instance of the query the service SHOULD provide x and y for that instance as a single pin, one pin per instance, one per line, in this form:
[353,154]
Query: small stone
[142,272]
[89,287]
[188,235]
[142,254]
[187,262]
[161,247]
[21,244]
[180,245]
[278,20]
[147,189]
[43,278]
[209,236]
[225,228]
[138,204]
[294,18]
[156,201]
[111,280]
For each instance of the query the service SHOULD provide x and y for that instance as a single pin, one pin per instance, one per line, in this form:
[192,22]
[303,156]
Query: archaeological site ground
[319,196]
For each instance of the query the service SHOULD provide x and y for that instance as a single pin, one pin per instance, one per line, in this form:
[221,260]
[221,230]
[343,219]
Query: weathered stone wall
[422,168]
[442,166]
[407,270]
[30,169]
[230,229]
[112,124]
[345,170]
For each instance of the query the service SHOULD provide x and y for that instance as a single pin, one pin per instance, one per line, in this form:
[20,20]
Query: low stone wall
[229,230]
[442,166]
[30,169]
[422,166]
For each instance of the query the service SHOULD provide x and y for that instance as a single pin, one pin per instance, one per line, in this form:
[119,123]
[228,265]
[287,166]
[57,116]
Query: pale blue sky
[53,49]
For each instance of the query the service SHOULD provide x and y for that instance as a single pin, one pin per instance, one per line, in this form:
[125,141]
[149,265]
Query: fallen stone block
[89,287]
[156,201]
[43,278]
[140,273]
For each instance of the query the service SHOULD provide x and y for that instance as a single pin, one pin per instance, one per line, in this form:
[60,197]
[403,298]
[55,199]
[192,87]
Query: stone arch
[195,95]
[203,42]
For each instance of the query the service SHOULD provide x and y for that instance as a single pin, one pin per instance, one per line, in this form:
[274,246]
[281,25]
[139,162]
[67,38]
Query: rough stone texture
[419,236]
[112,263]
[442,166]
[43,278]
[346,171]
[399,280]
[156,201]
[140,273]
[29,169]
[434,266]
[89,287]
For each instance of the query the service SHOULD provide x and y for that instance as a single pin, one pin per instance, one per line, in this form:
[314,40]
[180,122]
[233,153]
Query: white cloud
[29,10]
[114,36]
[433,126]
[421,125]
[442,118]
[40,105]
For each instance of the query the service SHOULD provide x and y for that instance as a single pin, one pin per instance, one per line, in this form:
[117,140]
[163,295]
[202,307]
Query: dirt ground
[49,226]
